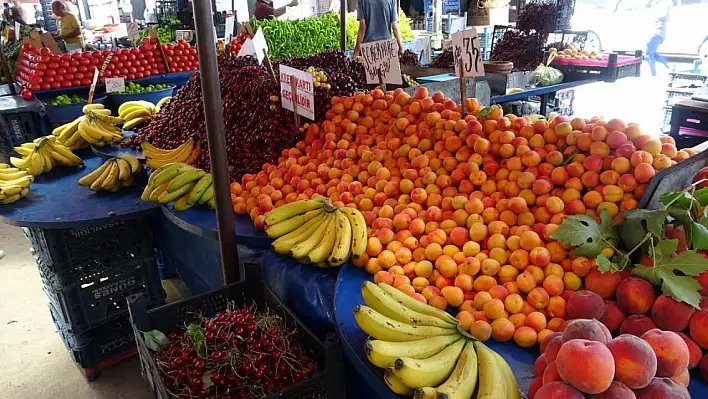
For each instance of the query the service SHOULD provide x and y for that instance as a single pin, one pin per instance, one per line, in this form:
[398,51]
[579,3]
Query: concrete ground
[33,360]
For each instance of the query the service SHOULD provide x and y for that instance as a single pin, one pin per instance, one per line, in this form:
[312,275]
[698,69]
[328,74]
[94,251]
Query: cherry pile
[443,60]
[256,133]
[410,58]
[239,353]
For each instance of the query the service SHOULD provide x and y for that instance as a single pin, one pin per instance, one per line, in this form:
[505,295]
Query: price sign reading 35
[466,44]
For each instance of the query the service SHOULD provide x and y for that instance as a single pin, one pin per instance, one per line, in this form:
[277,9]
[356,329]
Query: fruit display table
[348,296]
[176,79]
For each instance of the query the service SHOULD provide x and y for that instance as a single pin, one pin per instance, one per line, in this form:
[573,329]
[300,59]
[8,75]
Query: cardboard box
[488,16]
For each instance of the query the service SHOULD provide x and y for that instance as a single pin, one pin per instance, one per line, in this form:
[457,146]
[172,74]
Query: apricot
[526,282]
[538,298]
[644,172]
[635,295]
[525,337]
[513,303]
[585,305]
[662,388]
[613,317]
[594,373]
[587,329]
[494,309]
[637,325]
[670,349]
[635,361]
[481,330]
[502,330]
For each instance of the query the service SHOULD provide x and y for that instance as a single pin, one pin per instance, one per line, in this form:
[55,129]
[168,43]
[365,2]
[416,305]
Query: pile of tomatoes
[181,56]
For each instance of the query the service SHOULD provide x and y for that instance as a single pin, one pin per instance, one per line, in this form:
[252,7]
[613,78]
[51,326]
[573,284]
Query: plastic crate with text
[686,79]
[96,350]
[675,95]
[666,126]
[20,122]
[328,382]
[100,297]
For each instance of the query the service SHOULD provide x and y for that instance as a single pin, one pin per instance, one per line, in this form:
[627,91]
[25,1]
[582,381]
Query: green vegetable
[134,88]
[352,28]
[64,99]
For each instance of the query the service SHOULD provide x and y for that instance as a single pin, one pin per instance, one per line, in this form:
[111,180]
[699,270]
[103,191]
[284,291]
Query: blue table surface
[348,296]
[57,201]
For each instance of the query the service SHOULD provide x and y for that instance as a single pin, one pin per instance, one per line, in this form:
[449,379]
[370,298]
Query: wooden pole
[381,81]
[211,94]
[463,86]
[343,24]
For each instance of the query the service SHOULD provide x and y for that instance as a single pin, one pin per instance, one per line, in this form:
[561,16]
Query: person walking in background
[264,10]
[661,10]
[376,20]
[38,15]
[68,27]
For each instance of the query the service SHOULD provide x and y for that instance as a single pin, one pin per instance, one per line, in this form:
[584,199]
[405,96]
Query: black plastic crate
[672,179]
[95,350]
[20,124]
[75,255]
[327,383]
[100,298]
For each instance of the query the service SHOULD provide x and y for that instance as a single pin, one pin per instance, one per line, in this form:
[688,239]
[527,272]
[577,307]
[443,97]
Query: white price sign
[229,28]
[304,88]
[381,57]
[247,49]
[466,46]
[260,45]
[458,25]
[115,85]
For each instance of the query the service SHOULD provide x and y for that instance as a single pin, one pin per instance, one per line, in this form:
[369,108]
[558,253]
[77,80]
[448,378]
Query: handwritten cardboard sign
[381,57]
[305,91]
[466,46]
[115,85]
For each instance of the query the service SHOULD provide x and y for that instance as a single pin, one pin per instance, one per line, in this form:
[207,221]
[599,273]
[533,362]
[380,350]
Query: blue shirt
[378,14]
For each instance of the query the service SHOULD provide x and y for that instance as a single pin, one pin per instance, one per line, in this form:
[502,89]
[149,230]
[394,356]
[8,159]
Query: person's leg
[660,57]
[652,46]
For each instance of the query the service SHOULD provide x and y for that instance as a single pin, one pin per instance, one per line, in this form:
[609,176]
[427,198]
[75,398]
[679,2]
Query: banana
[208,195]
[155,194]
[47,160]
[194,154]
[419,373]
[384,353]
[156,163]
[111,120]
[380,301]
[162,102]
[512,387]
[91,177]
[36,164]
[24,151]
[212,203]
[287,211]
[75,141]
[135,166]
[70,129]
[136,113]
[135,122]
[426,393]
[185,178]
[23,182]
[11,190]
[199,189]
[99,112]
[124,171]
[342,245]
[10,199]
[31,146]
[57,130]
[145,196]
[387,329]
[166,173]
[4,166]
[463,380]
[322,251]
[182,204]
[98,183]
[20,163]
[65,152]
[288,225]
[58,158]
[395,385]
[284,243]
[128,182]
[359,231]
[128,104]
[169,196]
[417,306]
[13,175]
[151,150]
[91,107]
[179,154]
[90,134]
[112,179]
[301,249]
[492,383]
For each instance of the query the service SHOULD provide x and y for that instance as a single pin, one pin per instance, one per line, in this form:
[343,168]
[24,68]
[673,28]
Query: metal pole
[343,24]
[211,93]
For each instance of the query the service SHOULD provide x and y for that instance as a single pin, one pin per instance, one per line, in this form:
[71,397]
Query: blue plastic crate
[66,113]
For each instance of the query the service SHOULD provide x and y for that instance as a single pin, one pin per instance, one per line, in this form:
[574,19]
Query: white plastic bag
[546,75]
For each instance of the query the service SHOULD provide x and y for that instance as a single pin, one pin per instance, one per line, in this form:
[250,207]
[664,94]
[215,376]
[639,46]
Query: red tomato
[84,61]
[128,64]
[74,62]
[66,83]
[178,52]
[55,85]
[140,56]
[132,70]
[139,75]
[50,72]
[61,71]
[35,87]
[130,76]
[86,82]
[82,68]
[122,58]
[53,65]
[107,73]
[86,54]
[105,53]
[146,40]
[76,56]
[190,58]
[59,78]
[26,94]
[144,62]
[71,69]
[170,52]
[78,75]
[139,69]
[153,40]
[49,79]
[69,76]
[45,86]
[54,58]
[39,73]
[75,82]
[95,61]
[134,51]
[123,71]
[131,57]
[98,54]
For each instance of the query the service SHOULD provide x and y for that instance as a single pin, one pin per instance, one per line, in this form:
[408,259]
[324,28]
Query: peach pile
[585,360]
[460,210]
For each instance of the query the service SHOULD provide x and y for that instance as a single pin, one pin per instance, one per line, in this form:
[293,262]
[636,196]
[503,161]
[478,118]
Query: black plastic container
[672,179]
[327,383]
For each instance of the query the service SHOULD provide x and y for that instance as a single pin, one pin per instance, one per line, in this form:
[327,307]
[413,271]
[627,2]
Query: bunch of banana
[14,183]
[424,353]
[42,155]
[113,174]
[182,183]
[185,153]
[136,112]
[98,127]
[314,231]
[162,102]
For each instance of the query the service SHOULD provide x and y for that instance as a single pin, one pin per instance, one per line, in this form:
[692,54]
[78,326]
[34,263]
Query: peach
[662,388]
[637,325]
[670,349]
[613,317]
[539,365]
[553,345]
[671,315]
[585,305]
[683,378]
[594,374]
[587,329]
[694,351]
[603,284]
[699,328]
[550,374]
[635,361]
[635,295]
[617,390]
[556,390]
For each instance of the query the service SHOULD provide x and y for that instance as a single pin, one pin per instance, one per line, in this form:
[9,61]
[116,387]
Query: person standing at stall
[377,18]
[68,27]
[264,9]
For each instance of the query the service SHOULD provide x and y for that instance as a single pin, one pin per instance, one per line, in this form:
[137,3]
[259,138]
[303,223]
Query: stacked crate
[86,274]
[681,86]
